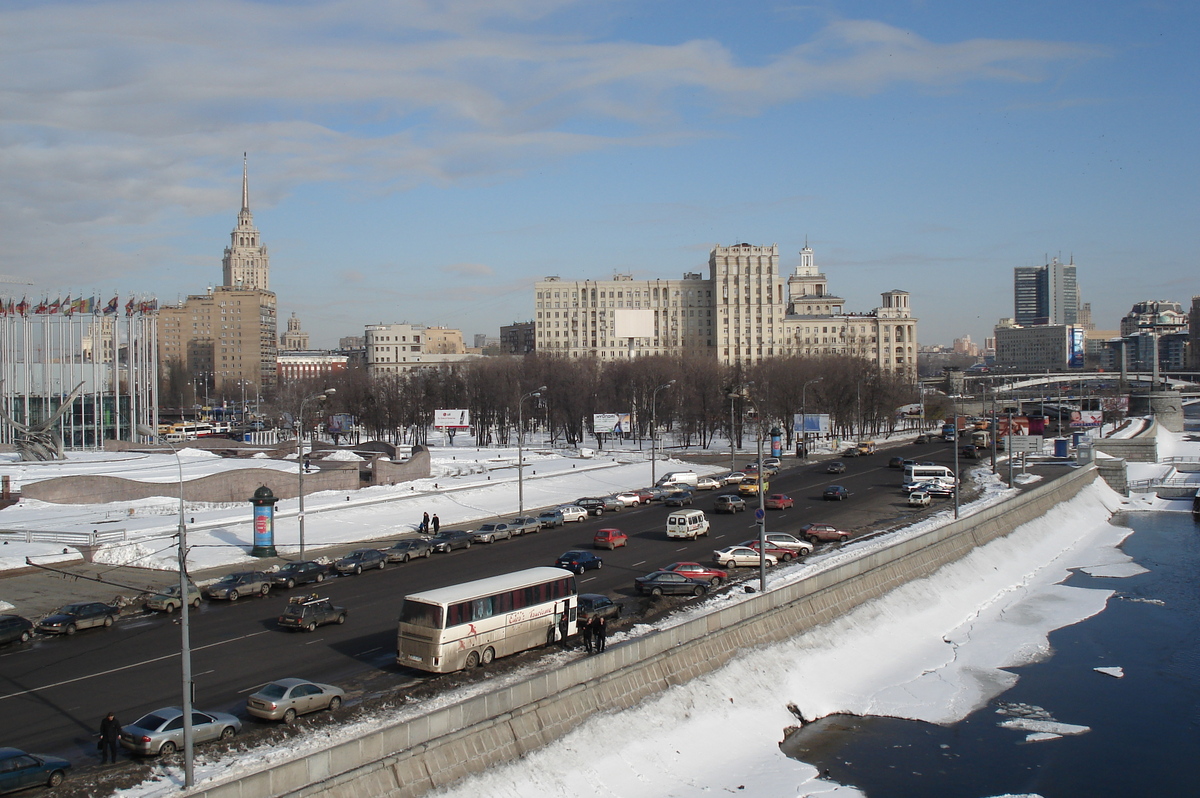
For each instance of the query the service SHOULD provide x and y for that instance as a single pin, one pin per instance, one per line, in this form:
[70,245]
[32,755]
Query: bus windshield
[418,613]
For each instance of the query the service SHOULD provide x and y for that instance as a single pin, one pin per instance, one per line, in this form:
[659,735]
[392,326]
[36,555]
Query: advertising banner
[611,423]
[814,423]
[1086,418]
[452,419]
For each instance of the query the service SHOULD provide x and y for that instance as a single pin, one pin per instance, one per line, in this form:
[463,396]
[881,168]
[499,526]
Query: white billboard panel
[815,423]
[1025,444]
[633,323]
[445,419]
[611,423]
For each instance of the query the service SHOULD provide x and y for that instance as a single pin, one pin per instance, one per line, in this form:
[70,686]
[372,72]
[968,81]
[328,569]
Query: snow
[950,638]
[1115,672]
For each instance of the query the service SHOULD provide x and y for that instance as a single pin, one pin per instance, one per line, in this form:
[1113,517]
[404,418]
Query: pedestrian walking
[110,738]
[425,523]
[436,523]
[600,633]
[585,629]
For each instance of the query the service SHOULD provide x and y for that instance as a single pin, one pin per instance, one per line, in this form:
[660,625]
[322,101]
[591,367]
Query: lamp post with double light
[761,513]
[319,397]
[185,649]
[521,449]
[654,425]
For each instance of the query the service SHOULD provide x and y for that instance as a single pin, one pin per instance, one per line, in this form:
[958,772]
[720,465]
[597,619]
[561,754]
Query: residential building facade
[1040,347]
[399,347]
[1046,294]
[304,365]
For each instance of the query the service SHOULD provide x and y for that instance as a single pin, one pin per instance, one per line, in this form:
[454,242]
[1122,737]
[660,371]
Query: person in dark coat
[585,629]
[110,738]
[437,524]
[425,523]
[599,633]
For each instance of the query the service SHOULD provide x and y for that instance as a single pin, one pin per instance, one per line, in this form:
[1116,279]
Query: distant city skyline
[428,163]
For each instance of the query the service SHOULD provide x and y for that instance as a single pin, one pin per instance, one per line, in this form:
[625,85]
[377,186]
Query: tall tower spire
[245,186]
[246,263]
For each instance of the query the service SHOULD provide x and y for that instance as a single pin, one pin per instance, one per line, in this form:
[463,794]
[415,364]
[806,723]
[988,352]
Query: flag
[3,308]
[42,307]
[87,305]
[111,307]
[54,306]
[24,306]
[129,307]
[68,305]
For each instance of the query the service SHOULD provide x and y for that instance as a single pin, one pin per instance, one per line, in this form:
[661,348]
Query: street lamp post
[521,449]
[654,426]
[733,395]
[185,650]
[957,445]
[761,515]
[804,416]
[320,397]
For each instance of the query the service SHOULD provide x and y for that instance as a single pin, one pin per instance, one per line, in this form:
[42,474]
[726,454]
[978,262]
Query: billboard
[340,424]
[1075,356]
[610,423]
[813,423]
[633,323]
[1086,418]
[452,419]
[1026,444]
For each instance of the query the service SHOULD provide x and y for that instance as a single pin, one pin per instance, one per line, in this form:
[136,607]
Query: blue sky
[428,161]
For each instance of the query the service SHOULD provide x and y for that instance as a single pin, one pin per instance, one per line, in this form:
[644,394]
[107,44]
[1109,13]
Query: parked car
[361,560]
[836,467]
[629,498]
[612,504]
[594,604]
[578,560]
[81,615]
[670,582]
[648,495]
[161,731]
[309,612]
[19,770]
[408,549]
[678,498]
[573,512]
[708,483]
[243,583]
[302,572]
[919,498]
[14,627]
[525,525]
[778,552]
[451,539]
[694,570]
[916,484]
[491,532]
[728,503]
[284,699]
[938,488]
[735,556]
[592,506]
[657,492]
[609,539]
[835,492]
[785,541]
[778,501]
[824,533]
[167,599]
[551,519]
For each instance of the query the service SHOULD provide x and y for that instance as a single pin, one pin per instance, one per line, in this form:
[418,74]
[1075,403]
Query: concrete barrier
[418,754]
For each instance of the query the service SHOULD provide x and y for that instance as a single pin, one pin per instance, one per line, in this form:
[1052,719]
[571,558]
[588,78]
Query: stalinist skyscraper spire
[246,263]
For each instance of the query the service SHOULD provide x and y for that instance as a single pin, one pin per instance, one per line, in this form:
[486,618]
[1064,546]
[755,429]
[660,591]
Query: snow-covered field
[948,637]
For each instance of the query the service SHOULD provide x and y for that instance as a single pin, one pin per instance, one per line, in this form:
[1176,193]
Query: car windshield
[273,690]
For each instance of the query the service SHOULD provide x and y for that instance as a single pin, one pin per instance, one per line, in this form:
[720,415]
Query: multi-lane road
[53,691]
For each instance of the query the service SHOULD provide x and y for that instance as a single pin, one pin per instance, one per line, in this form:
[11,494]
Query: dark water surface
[1145,727]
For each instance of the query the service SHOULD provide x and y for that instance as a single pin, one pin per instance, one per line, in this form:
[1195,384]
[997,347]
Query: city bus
[470,624]
[928,473]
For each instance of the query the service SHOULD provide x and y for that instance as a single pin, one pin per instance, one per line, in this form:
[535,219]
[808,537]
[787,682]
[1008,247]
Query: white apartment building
[743,313]
[393,348]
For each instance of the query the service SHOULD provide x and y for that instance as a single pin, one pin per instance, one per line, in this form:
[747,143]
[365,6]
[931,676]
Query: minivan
[679,478]
[689,524]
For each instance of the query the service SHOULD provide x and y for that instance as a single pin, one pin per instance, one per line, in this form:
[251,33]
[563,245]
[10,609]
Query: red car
[610,539]
[777,501]
[695,570]
[819,533]
[778,552]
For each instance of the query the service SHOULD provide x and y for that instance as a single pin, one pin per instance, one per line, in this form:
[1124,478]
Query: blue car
[19,770]
[578,560]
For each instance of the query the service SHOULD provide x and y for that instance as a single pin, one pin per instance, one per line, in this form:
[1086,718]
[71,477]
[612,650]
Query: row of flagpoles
[69,307]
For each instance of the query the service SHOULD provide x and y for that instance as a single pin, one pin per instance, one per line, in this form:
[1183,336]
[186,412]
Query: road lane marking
[639,562]
[128,667]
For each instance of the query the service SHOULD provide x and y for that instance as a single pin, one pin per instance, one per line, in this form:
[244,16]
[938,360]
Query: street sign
[759,514]
[1026,444]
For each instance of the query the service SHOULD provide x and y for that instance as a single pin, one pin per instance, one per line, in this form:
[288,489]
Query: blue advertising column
[264,523]
[776,442]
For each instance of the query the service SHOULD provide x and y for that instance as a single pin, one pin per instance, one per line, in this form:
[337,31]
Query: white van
[674,478]
[928,473]
[689,524]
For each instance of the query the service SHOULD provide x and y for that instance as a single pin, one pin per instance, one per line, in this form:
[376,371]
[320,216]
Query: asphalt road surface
[55,690]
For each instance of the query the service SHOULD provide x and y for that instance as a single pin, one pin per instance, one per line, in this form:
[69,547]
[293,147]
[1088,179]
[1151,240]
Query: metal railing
[92,538]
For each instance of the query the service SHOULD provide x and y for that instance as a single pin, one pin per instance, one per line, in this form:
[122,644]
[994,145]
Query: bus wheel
[489,654]
[473,659]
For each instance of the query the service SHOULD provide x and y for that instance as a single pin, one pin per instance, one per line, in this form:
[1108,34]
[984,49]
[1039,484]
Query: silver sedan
[284,699]
[161,731]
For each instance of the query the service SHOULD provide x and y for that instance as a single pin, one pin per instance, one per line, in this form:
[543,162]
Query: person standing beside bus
[599,633]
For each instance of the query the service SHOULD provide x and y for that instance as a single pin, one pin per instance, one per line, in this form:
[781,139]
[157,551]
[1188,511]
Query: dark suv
[309,612]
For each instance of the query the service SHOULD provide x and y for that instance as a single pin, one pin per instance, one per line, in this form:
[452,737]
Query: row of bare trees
[703,398]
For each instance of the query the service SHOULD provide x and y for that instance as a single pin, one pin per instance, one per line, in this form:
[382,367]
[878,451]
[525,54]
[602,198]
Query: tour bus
[470,624]
[928,473]
[190,430]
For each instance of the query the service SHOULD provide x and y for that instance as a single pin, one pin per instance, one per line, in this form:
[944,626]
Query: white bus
[928,473]
[466,625]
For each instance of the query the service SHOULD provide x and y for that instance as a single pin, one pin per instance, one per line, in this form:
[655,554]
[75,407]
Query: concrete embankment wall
[422,753]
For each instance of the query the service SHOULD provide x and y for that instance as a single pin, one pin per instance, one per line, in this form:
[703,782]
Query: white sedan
[735,556]
[573,512]
[919,498]
[734,477]
[708,483]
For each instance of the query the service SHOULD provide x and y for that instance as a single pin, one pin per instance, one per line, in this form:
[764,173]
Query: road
[53,691]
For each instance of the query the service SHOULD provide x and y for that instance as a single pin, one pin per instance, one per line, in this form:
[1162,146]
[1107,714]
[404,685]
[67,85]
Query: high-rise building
[743,313]
[228,336]
[1194,334]
[295,339]
[1046,294]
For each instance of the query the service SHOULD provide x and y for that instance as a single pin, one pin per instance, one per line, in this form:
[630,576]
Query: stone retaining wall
[432,750]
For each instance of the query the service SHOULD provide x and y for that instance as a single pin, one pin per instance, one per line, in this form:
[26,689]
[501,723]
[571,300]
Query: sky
[428,161]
